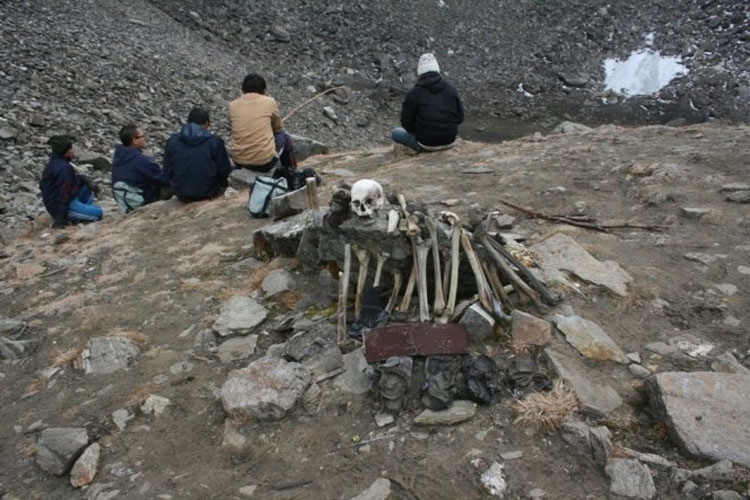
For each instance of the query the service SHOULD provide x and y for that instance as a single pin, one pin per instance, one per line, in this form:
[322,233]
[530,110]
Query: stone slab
[238,316]
[589,339]
[560,253]
[707,413]
[594,395]
[459,411]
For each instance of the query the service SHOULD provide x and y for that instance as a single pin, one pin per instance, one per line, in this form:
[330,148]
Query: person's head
[61,145]
[254,83]
[199,116]
[131,136]
[427,63]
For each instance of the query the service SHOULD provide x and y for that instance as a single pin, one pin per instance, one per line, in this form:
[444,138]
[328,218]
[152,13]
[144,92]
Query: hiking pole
[328,91]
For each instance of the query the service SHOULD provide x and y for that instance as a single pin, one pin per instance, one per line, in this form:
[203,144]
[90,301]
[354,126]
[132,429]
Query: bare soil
[162,273]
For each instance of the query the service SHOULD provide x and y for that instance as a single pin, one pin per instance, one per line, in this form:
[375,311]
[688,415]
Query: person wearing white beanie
[431,112]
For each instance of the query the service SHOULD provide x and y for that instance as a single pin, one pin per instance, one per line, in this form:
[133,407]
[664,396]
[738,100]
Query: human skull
[367,197]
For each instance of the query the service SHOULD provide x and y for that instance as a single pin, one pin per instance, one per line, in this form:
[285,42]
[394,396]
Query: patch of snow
[645,72]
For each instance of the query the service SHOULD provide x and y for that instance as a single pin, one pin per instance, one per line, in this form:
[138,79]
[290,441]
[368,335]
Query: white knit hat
[427,63]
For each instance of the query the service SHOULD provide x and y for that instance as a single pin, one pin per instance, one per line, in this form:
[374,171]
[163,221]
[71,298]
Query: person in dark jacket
[431,112]
[195,160]
[137,179]
[67,195]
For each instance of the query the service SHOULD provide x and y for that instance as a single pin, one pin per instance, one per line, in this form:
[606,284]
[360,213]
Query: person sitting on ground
[258,140]
[67,195]
[137,179]
[195,160]
[431,112]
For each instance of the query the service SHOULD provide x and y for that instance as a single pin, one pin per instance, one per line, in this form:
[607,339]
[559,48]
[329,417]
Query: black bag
[296,179]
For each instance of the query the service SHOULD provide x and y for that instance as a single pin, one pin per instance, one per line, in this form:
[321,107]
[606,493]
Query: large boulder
[265,390]
[104,355]
[707,413]
[238,316]
[58,448]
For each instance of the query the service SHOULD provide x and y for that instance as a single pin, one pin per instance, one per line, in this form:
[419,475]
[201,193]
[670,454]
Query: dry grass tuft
[137,337]
[290,299]
[517,346]
[139,394]
[65,358]
[546,410]
[258,275]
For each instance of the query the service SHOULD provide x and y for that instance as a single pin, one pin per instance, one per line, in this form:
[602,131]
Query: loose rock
[58,448]
[86,467]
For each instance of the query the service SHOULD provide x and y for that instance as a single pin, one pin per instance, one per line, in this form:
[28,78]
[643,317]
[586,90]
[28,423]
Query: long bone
[439,304]
[381,258]
[363,256]
[412,230]
[505,268]
[455,223]
[482,287]
[393,219]
[396,288]
[423,248]
[404,307]
[490,271]
[343,293]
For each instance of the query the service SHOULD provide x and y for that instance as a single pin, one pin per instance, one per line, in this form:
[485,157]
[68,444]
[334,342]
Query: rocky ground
[87,67]
[128,338]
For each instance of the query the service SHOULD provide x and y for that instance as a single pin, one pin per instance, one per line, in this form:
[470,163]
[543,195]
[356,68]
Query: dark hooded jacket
[133,167]
[196,163]
[59,185]
[432,110]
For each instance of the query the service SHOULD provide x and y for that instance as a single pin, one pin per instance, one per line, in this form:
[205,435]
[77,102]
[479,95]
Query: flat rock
[58,448]
[104,355]
[478,322]
[630,478]
[378,490]
[528,330]
[242,178]
[265,390]
[694,213]
[494,481]
[594,395]
[739,197]
[237,348]
[707,413]
[247,491]
[320,356]
[639,371]
[121,418]
[280,238]
[589,339]
[735,186]
[86,467]
[354,380]
[276,282]
[459,411]
[592,442]
[238,316]
[704,258]
[560,253]
[155,404]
